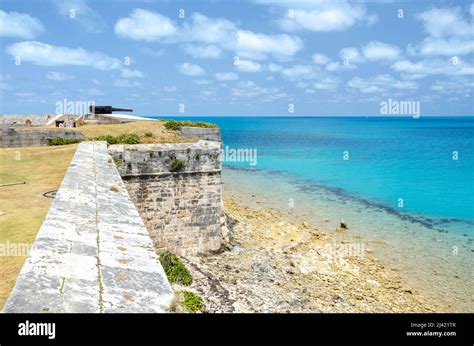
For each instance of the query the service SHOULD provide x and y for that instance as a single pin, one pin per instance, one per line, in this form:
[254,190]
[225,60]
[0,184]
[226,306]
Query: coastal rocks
[275,265]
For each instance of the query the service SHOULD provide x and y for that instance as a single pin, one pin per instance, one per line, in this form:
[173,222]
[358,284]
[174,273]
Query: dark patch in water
[305,185]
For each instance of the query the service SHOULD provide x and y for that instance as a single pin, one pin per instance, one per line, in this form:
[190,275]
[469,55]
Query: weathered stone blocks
[182,209]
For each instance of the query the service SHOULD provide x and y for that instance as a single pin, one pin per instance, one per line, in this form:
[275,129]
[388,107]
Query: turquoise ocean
[402,182]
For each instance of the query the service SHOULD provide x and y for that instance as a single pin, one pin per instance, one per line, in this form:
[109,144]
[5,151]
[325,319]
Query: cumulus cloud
[191,69]
[376,51]
[126,83]
[226,76]
[434,67]
[445,47]
[298,72]
[321,15]
[442,22]
[58,76]
[274,67]
[129,73]
[248,66]
[449,33]
[197,51]
[21,25]
[206,37]
[143,25]
[78,11]
[258,46]
[203,29]
[47,55]
[453,86]
[380,83]
[320,59]
[351,55]
[249,89]
[327,83]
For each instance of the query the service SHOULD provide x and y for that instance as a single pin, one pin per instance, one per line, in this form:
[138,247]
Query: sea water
[402,182]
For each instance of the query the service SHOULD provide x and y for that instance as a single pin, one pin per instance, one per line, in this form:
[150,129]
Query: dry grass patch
[23,207]
[149,131]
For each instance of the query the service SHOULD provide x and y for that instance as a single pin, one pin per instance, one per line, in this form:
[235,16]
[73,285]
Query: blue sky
[255,57]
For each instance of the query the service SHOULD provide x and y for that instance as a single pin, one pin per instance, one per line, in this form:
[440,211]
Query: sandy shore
[275,264]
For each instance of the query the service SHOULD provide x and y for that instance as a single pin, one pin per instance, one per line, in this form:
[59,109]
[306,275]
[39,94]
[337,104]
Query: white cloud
[446,47]
[225,76]
[144,25]
[208,30]
[458,86]
[321,15]
[191,69]
[327,83]
[87,18]
[434,67]
[320,59]
[46,55]
[376,50]
[449,33]
[380,83]
[248,89]
[257,46]
[128,73]
[274,67]
[58,76]
[351,55]
[22,25]
[197,51]
[298,72]
[443,22]
[126,83]
[206,37]
[152,52]
[248,66]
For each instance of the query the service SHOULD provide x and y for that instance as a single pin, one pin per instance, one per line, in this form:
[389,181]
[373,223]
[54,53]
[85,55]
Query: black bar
[219,329]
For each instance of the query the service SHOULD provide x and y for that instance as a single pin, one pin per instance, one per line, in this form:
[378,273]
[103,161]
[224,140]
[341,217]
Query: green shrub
[125,138]
[175,269]
[148,134]
[177,165]
[192,302]
[64,141]
[175,124]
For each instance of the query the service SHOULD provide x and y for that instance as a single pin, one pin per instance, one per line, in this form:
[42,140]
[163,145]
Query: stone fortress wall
[177,189]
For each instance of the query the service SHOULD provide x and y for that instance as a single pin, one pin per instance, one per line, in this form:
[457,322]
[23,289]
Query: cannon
[107,109]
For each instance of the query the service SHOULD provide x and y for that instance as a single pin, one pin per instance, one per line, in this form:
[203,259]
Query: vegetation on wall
[192,302]
[64,141]
[124,138]
[175,124]
[175,269]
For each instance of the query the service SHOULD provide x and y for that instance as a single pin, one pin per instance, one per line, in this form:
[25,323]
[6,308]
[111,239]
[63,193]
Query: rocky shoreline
[277,265]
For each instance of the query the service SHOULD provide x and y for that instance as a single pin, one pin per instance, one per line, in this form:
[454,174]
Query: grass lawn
[23,207]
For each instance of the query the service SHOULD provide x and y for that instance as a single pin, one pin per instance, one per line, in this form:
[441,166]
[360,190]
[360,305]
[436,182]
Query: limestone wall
[23,120]
[92,252]
[211,134]
[182,209]
[11,138]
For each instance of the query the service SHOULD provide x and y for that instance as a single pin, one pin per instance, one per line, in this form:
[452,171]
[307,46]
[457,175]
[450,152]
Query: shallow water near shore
[436,262]
[403,185]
